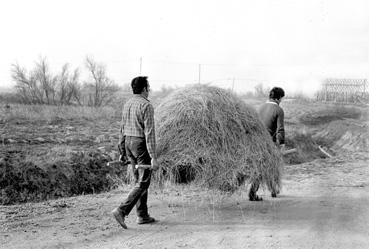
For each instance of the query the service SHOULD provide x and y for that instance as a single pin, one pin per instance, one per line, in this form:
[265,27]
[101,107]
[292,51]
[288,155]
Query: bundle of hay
[209,135]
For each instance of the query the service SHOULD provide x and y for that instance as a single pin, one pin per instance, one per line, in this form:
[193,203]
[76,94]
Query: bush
[82,173]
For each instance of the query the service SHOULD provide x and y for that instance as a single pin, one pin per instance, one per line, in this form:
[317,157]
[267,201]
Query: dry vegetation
[49,151]
[52,151]
[337,128]
[211,136]
[42,86]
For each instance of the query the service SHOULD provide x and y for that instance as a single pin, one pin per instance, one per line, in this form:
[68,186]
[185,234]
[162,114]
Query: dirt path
[324,204]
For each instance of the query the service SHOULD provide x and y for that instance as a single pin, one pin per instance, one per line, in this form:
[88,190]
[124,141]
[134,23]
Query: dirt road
[324,204]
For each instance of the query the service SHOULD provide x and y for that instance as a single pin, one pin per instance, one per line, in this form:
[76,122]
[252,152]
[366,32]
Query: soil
[324,204]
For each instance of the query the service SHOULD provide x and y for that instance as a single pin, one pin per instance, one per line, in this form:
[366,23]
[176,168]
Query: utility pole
[199,73]
[140,65]
[233,83]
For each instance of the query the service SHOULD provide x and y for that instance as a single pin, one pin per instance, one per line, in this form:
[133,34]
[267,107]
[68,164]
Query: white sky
[289,43]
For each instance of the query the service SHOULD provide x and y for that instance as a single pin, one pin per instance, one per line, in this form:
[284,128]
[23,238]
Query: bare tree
[63,82]
[47,81]
[26,85]
[68,88]
[101,86]
[74,88]
[40,86]
[36,87]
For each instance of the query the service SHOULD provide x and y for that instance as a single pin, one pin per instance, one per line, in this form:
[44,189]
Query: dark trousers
[137,154]
[254,188]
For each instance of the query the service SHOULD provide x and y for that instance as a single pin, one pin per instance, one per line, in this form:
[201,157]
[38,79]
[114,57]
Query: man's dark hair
[138,84]
[276,93]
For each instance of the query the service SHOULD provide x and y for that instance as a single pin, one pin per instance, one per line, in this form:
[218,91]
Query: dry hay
[210,136]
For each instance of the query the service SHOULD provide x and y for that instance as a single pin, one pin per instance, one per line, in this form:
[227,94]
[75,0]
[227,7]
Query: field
[57,191]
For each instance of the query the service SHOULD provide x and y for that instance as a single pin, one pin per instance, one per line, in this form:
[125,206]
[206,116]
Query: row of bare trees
[41,86]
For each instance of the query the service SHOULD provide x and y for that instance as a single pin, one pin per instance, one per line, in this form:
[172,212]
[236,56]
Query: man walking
[272,116]
[138,133]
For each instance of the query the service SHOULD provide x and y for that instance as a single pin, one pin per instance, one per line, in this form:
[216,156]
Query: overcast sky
[289,43]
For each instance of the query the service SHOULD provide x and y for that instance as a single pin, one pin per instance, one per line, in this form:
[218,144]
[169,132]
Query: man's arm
[149,129]
[280,127]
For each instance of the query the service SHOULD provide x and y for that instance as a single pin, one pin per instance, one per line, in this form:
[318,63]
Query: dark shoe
[145,220]
[254,197]
[119,217]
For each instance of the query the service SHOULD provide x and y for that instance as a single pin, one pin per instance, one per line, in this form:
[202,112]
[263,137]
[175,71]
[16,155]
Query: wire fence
[174,73]
[344,90]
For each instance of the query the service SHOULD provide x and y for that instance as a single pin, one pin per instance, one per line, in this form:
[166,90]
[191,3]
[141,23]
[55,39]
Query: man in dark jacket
[138,131]
[272,116]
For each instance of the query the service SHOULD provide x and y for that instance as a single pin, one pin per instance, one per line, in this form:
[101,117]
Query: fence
[344,90]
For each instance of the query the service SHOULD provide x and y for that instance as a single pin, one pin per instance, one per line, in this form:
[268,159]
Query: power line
[148,59]
[140,65]
[199,73]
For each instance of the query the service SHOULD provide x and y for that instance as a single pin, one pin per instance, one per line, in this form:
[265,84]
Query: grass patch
[329,114]
[85,172]
[54,114]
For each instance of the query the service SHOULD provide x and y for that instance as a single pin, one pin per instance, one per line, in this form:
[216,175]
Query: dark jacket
[272,116]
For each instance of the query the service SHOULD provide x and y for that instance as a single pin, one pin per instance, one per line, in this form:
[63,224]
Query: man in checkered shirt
[138,134]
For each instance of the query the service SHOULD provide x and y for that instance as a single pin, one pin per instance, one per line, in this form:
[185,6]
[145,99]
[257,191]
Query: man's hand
[154,164]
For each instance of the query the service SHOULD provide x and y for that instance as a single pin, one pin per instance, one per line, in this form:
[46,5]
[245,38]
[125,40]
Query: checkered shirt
[138,121]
